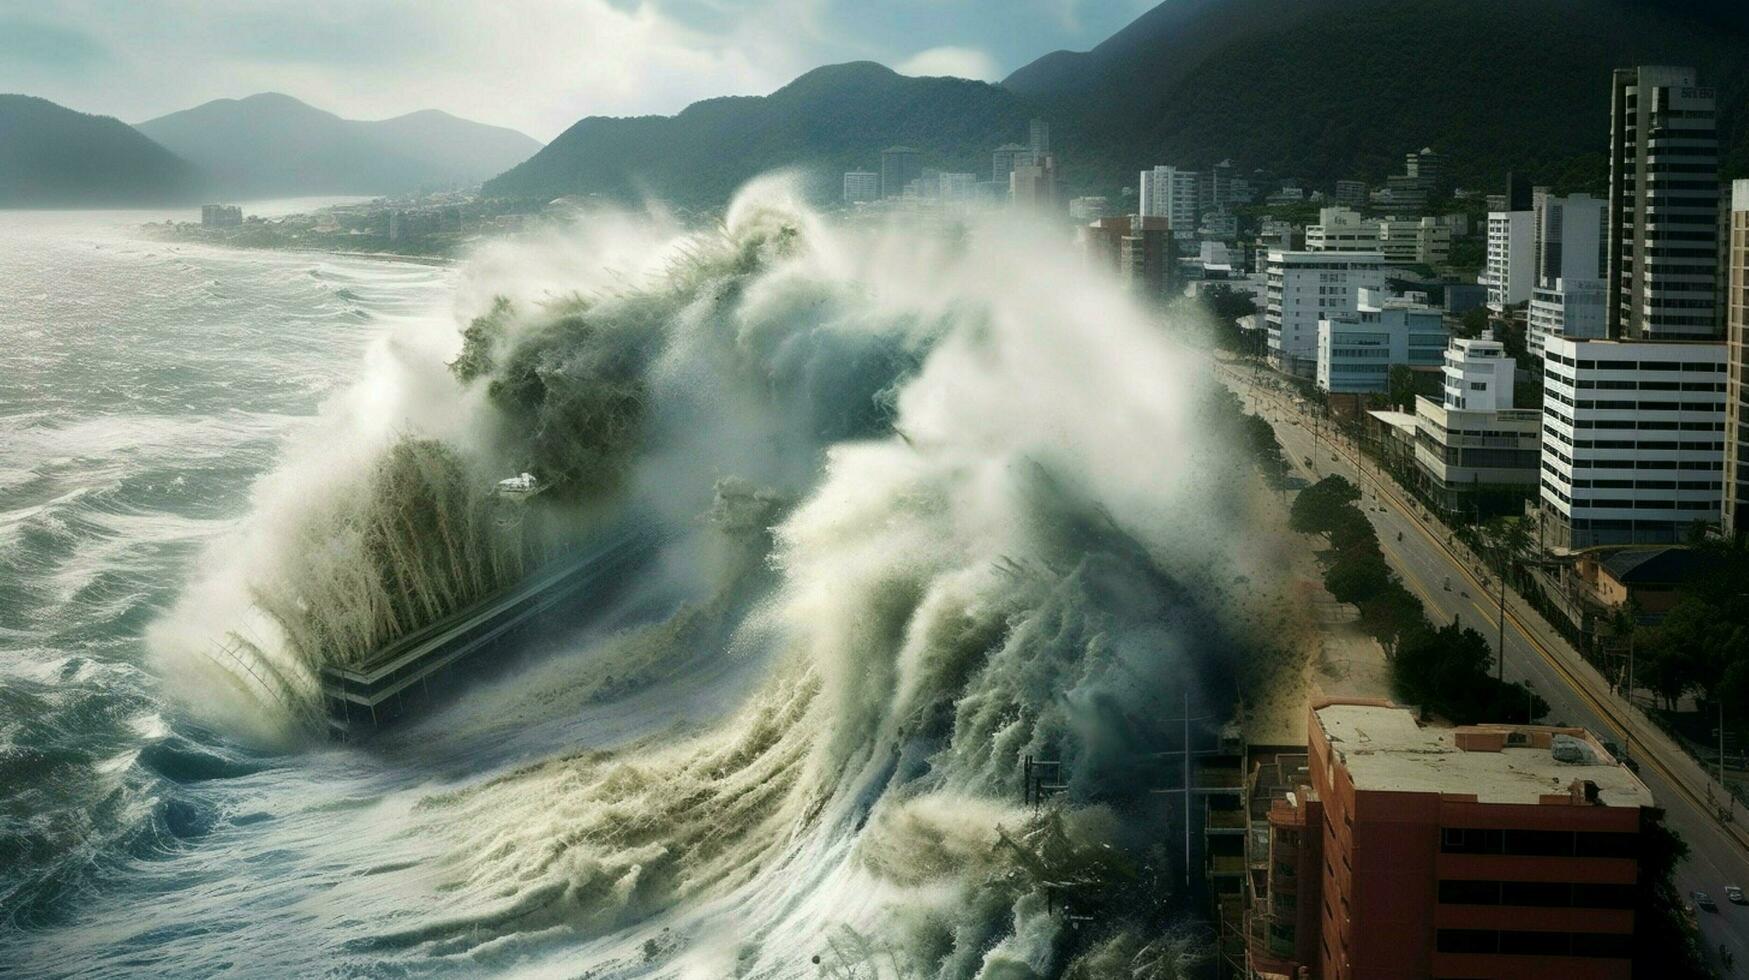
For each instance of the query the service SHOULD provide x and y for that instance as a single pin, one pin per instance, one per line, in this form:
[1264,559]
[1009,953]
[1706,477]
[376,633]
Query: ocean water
[919,527]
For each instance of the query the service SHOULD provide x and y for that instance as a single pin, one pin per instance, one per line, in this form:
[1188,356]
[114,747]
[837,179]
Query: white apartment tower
[1305,287]
[1567,293]
[1508,272]
[1662,276]
[1477,376]
[1633,441]
[1170,193]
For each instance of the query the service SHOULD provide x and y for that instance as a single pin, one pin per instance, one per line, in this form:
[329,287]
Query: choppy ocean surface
[144,388]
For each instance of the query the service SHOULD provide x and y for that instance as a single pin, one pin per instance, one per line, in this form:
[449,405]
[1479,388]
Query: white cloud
[950,60]
[536,65]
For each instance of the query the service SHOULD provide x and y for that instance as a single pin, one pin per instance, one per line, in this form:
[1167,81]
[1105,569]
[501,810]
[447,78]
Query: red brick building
[1407,850]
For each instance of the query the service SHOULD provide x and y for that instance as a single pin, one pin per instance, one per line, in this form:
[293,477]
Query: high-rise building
[1508,272]
[1038,137]
[1102,241]
[1633,441]
[1305,287]
[1566,299]
[1356,350]
[1222,183]
[1407,850]
[861,186]
[1146,256]
[900,165]
[1426,166]
[1170,193]
[1736,517]
[1662,277]
[1035,184]
[1005,159]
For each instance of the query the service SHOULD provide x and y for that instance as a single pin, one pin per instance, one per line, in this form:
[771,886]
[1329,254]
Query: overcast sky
[535,65]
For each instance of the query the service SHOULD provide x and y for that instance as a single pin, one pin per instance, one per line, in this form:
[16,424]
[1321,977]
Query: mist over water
[934,499]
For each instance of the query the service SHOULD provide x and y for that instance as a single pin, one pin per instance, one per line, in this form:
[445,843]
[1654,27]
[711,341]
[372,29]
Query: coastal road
[1419,550]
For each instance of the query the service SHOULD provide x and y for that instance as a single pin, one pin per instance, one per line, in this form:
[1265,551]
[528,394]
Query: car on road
[1705,901]
[1735,894]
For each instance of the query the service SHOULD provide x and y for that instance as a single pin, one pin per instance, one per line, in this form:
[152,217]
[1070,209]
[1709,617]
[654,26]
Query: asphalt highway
[1418,549]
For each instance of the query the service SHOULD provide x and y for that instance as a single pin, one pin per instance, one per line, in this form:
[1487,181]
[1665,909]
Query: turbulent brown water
[934,500]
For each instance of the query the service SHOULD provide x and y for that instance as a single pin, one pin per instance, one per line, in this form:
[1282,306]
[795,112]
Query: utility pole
[1722,784]
[1628,729]
[1500,670]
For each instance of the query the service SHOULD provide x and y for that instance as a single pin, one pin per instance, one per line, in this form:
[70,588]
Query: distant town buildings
[1415,241]
[1399,849]
[1085,209]
[1568,296]
[1038,138]
[1306,287]
[1663,206]
[1036,184]
[1350,193]
[1356,349]
[220,215]
[900,165]
[861,187]
[1005,159]
[1342,229]
[1633,441]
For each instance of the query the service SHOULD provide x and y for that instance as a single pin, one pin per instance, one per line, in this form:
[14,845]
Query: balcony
[1226,821]
[1226,864]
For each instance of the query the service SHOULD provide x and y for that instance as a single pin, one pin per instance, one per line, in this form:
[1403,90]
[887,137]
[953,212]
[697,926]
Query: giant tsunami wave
[957,499]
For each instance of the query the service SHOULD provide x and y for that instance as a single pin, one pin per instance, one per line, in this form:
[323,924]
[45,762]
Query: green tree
[1357,577]
[1472,323]
[1265,448]
[1439,668]
[1664,943]
[1400,388]
[1392,614]
[1320,506]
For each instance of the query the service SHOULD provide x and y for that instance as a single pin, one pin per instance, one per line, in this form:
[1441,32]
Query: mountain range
[274,145]
[827,121]
[51,156]
[1316,89]
[263,146]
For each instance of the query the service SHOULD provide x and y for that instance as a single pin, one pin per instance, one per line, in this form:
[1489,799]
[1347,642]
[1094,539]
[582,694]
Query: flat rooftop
[1385,750]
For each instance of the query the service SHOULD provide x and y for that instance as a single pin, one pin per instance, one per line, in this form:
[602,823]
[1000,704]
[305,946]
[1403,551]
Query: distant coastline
[433,228]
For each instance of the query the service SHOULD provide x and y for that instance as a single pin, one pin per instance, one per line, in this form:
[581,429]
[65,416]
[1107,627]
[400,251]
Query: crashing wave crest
[1000,524]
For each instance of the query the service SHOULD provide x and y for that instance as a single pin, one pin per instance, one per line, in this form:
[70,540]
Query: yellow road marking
[1617,727]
